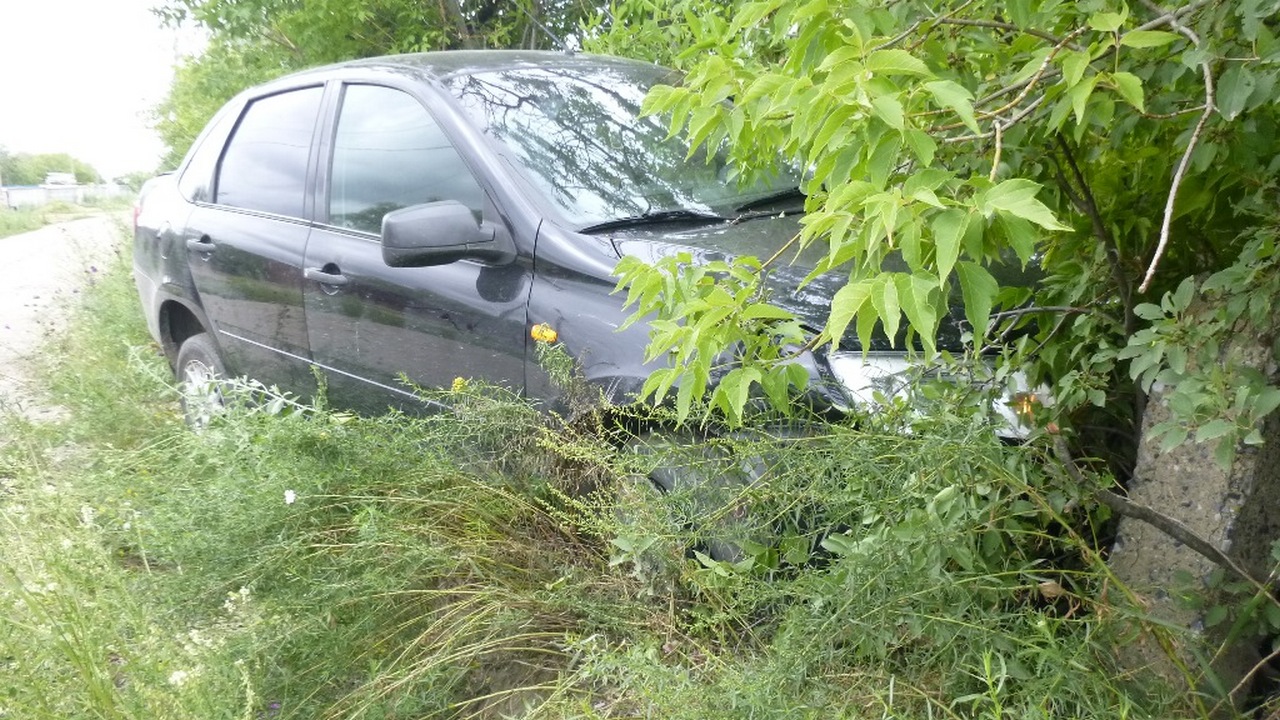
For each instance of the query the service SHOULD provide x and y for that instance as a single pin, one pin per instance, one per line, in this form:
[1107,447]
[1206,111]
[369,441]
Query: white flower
[289,497]
[236,600]
[178,677]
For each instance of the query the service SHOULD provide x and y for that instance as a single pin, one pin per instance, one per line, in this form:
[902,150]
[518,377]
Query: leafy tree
[134,180]
[32,169]
[255,40]
[203,84]
[1125,148]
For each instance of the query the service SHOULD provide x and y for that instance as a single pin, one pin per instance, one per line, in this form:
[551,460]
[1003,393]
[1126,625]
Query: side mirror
[437,233]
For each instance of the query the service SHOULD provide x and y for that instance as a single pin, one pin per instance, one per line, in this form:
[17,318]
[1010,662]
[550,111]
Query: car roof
[444,64]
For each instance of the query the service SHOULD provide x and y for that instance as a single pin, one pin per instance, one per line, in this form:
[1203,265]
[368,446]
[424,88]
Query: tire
[199,372]
[703,485]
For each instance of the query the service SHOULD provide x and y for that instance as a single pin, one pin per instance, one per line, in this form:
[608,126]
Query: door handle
[324,277]
[203,245]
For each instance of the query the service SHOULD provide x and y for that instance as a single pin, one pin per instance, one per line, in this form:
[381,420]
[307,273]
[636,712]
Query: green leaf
[1147,38]
[701,123]
[1234,89]
[1215,616]
[888,109]
[766,84]
[923,145]
[1018,198]
[1182,297]
[1108,21]
[867,319]
[1080,96]
[896,62]
[1224,454]
[884,298]
[752,13]
[948,228]
[840,56]
[1129,86]
[915,293]
[928,197]
[1074,63]
[1148,311]
[834,129]
[845,305]
[684,400]
[765,311]
[952,95]
[1267,401]
[979,289]
[1214,429]
[883,159]
[734,389]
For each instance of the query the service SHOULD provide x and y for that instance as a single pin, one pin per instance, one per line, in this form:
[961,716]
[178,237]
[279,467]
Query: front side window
[389,153]
[265,165]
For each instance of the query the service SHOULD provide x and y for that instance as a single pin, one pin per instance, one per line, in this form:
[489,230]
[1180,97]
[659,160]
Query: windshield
[577,134]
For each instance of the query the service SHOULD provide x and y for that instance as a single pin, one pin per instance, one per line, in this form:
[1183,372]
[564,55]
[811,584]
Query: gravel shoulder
[46,270]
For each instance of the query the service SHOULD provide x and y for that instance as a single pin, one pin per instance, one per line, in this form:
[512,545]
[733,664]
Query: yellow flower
[543,333]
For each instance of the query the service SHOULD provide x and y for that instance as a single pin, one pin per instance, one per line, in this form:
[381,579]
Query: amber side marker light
[1024,405]
[543,333]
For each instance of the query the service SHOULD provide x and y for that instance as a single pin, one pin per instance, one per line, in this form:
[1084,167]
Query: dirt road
[45,270]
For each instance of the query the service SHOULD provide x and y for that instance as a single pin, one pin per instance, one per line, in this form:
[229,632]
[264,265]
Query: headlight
[1014,405]
[887,373]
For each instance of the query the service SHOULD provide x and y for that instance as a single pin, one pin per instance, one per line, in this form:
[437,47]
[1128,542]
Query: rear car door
[368,324]
[245,246]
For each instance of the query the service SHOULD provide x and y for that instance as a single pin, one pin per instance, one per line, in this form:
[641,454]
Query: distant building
[60,178]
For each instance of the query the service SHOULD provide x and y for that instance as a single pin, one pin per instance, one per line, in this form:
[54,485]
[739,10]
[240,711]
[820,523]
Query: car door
[245,246]
[370,324]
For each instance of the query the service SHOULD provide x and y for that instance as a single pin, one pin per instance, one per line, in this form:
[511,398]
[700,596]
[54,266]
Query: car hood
[762,237]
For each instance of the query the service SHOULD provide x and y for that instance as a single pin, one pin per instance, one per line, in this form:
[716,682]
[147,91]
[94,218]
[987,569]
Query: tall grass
[26,219]
[13,222]
[493,562]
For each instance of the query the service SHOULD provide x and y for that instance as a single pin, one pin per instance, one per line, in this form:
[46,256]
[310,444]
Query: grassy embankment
[311,564]
[13,222]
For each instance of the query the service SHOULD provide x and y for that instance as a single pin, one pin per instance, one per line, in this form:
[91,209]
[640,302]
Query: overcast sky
[80,76]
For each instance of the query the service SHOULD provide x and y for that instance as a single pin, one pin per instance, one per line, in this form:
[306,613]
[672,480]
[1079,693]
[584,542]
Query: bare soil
[44,273]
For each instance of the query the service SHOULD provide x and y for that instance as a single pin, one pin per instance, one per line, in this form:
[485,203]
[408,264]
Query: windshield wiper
[653,218]
[793,193]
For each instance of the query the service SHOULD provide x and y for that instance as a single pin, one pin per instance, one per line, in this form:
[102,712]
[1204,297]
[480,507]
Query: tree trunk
[453,9]
[1234,509]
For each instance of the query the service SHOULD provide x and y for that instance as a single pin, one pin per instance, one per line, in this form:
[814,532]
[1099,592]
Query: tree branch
[1181,172]
[1022,114]
[1036,309]
[1172,16]
[916,25]
[1003,26]
[1165,524]
[1090,208]
[1244,681]
[995,160]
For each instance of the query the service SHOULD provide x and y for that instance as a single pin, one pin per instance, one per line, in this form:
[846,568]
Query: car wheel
[200,372]
[700,485]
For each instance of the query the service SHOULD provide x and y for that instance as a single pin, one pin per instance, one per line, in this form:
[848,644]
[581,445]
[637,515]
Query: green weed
[295,562]
[13,222]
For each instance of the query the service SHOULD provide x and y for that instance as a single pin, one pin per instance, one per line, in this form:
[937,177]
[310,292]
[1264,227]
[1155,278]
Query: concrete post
[1236,509]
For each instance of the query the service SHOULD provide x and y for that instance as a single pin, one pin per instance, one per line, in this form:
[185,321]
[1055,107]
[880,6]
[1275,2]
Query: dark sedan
[420,215]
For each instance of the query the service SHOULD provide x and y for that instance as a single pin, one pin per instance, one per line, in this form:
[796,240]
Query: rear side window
[389,153]
[196,183]
[265,164]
